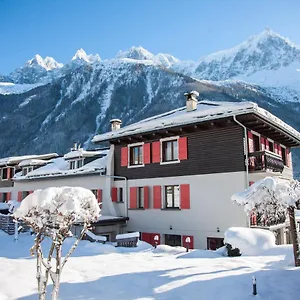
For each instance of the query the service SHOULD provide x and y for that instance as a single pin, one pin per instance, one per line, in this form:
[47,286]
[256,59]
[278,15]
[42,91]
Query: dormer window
[26,170]
[76,164]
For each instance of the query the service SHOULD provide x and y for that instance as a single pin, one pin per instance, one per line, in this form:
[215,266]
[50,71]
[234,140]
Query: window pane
[136,155]
[175,150]
[169,196]
[140,198]
[176,196]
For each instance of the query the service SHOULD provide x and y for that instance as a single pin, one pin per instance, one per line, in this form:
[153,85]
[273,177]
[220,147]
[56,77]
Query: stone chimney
[115,124]
[191,100]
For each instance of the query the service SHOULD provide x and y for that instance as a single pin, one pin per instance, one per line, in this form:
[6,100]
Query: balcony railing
[265,161]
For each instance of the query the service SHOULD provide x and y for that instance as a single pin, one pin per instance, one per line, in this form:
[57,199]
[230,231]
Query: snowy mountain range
[45,105]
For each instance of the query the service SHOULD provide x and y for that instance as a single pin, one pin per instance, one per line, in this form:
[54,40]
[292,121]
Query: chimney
[191,100]
[115,124]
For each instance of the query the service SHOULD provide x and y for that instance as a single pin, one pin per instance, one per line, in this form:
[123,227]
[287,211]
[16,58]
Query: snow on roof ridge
[18,159]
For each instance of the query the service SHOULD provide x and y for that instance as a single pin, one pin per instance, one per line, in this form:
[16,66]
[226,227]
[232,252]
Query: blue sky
[187,29]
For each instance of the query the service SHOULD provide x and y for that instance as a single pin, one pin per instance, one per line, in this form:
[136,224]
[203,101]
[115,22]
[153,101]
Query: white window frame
[165,197]
[128,155]
[286,157]
[259,135]
[75,161]
[173,138]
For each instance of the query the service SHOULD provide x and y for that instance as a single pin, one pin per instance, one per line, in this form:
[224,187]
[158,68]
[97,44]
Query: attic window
[26,170]
[7,173]
[76,164]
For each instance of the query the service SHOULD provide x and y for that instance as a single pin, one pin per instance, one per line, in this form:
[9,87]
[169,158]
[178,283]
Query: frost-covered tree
[51,213]
[272,198]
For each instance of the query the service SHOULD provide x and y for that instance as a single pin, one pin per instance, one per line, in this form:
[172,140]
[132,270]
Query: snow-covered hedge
[250,241]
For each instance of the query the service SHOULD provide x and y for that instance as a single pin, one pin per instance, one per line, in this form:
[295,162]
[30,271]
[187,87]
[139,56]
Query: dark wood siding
[215,150]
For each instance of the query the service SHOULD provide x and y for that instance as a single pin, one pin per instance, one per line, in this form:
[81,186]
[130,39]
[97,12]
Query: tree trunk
[293,229]
[57,272]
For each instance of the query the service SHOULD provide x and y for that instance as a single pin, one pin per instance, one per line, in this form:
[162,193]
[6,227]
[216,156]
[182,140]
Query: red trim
[124,157]
[20,196]
[185,196]
[133,199]
[8,196]
[157,197]
[99,196]
[146,152]
[182,145]
[185,244]
[250,142]
[156,152]
[114,194]
[267,145]
[263,143]
[146,197]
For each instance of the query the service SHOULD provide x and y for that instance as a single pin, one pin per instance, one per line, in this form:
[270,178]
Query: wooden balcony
[262,161]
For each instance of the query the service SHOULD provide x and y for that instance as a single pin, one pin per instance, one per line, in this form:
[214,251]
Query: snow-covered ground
[97,271]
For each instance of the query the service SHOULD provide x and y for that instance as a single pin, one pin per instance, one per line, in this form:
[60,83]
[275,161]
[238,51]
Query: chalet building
[174,173]
[171,176]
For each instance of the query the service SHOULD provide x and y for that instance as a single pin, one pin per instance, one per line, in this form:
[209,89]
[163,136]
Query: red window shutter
[185,196]
[8,196]
[157,197]
[279,150]
[133,199]
[263,143]
[8,173]
[185,244]
[267,145]
[250,142]
[124,157]
[147,153]
[251,182]
[288,157]
[99,196]
[114,194]
[146,197]
[182,146]
[276,148]
[30,192]
[1,197]
[20,196]
[156,152]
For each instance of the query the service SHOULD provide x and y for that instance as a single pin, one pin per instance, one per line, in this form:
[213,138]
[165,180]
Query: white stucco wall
[210,207]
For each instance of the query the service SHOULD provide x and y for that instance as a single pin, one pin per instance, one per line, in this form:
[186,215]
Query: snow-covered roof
[84,153]
[60,167]
[206,110]
[14,160]
[32,162]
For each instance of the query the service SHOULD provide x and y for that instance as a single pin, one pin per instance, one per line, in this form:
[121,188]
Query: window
[26,170]
[4,197]
[25,194]
[4,174]
[136,155]
[95,192]
[283,155]
[120,195]
[170,150]
[271,146]
[173,240]
[140,197]
[75,164]
[172,196]
[213,243]
[256,142]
